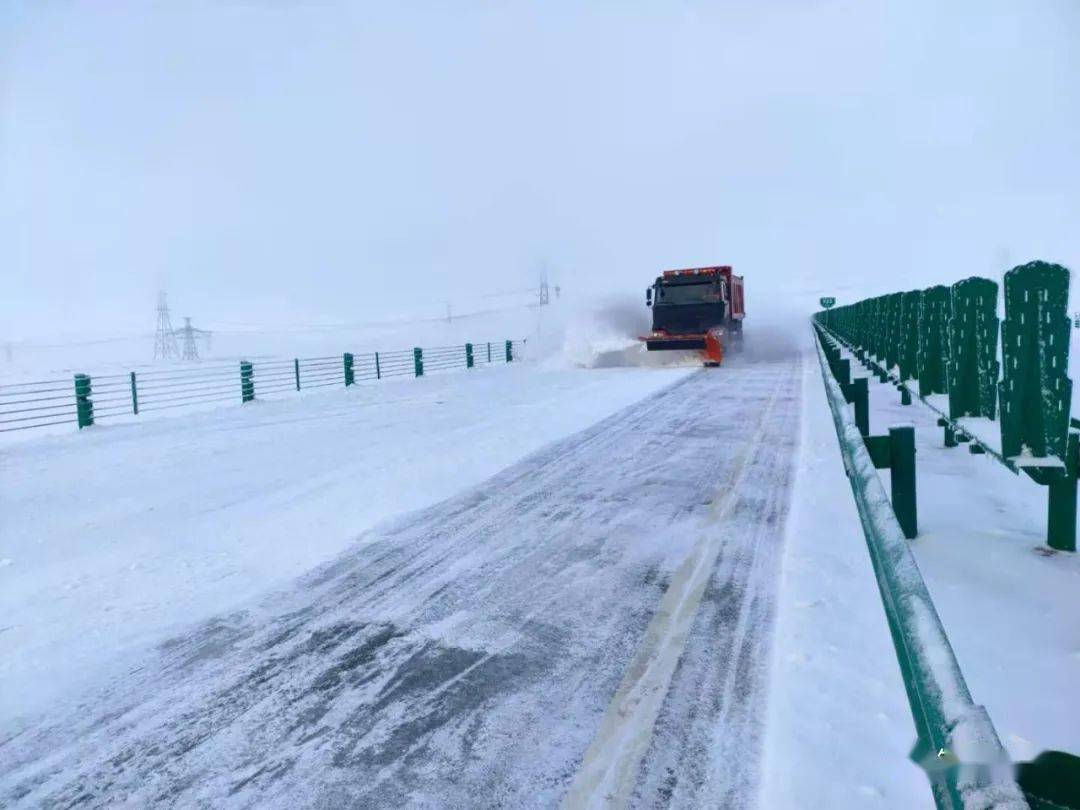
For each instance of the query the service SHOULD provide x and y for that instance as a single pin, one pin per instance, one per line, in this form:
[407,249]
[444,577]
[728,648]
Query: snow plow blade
[654,344]
[710,344]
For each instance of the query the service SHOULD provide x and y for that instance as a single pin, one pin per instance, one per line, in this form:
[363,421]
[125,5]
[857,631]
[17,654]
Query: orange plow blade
[713,354]
[710,344]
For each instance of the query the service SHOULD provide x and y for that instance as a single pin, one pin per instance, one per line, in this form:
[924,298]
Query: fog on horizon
[283,163]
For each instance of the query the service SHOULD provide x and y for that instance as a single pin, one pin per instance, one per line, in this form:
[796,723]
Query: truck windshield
[700,293]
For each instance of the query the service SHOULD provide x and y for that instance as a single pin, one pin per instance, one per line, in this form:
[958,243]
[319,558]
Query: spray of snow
[608,335]
[610,329]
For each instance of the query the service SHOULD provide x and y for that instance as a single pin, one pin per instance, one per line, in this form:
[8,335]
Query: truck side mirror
[648,296]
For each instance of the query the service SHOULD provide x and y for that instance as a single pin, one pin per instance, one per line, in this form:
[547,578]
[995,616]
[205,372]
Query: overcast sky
[283,161]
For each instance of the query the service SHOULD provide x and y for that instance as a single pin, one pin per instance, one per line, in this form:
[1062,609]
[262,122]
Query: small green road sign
[827,302]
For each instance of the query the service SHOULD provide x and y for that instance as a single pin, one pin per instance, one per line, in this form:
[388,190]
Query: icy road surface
[591,626]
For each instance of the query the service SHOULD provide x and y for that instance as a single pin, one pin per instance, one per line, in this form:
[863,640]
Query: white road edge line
[609,769]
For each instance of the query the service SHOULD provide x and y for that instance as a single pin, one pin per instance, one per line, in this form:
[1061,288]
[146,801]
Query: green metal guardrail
[957,744]
[29,405]
[895,451]
[944,341]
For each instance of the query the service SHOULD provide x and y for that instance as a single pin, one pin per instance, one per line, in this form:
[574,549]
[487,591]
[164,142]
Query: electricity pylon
[190,333]
[165,347]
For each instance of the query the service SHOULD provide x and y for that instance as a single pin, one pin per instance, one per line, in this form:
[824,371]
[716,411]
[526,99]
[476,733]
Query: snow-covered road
[592,622]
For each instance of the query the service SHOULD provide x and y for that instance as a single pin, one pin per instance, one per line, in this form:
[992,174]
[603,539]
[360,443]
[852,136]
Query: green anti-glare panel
[1035,390]
[867,321]
[881,326]
[862,323]
[971,370]
[909,333]
[893,330]
[933,340]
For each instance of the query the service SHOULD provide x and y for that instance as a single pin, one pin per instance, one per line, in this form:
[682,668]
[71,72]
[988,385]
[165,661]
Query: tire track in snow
[706,744]
[609,771]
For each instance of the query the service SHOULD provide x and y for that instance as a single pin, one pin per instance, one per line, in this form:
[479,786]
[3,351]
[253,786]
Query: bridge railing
[88,399]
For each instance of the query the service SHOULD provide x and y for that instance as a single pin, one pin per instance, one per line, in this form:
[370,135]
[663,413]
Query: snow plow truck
[697,308]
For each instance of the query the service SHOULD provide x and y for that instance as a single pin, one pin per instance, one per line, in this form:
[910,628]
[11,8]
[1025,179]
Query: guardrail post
[350,376]
[468,355]
[489,351]
[84,403]
[378,369]
[1061,511]
[902,467]
[247,382]
[418,361]
[842,371]
[832,354]
[896,452]
[134,396]
[950,434]
[857,393]
[509,351]
[296,371]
